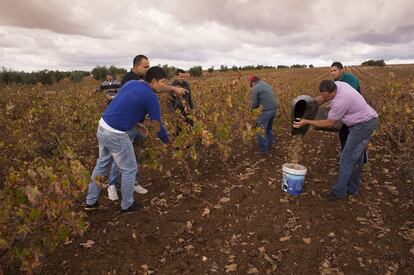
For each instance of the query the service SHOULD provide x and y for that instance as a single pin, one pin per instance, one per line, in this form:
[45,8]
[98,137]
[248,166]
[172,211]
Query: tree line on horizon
[48,77]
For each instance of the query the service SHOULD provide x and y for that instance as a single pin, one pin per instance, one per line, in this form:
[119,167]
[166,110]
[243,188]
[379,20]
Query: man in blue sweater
[138,72]
[262,95]
[134,101]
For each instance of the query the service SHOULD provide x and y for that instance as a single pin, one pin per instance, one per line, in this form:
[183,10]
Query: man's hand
[168,146]
[179,91]
[174,89]
[156,125]
[278,113]
[142,128]
[299,123]
[325,123]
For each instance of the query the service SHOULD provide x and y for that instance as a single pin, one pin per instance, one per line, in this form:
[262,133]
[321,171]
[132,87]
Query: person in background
[110,87]
[140,66]
[262,95]
[338,74]
[135,100]
[349,106]
[183,104]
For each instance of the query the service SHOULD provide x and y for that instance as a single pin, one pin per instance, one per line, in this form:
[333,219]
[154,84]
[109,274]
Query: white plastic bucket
[293,177]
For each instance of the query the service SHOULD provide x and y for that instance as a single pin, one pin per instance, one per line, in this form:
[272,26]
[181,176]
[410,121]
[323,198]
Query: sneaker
[352,196]
[262,154]
[135,207]
[94,206]
[140,190]
[112,194]
[331,197]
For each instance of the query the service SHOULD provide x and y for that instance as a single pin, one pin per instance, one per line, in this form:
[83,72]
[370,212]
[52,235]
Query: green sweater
[351,80]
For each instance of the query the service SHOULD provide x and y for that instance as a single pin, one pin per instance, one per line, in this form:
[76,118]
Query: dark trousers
[187,120]
[343,136]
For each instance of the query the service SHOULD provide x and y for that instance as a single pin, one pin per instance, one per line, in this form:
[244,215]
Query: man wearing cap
[262,95]
[349,106]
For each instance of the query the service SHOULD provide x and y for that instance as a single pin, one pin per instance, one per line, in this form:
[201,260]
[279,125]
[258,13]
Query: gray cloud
[281,17]
[402,34]
[82,34]
[87,18]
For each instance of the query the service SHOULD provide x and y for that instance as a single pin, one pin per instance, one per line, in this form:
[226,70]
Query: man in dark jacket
[110,87]
[182,103]
[139,70]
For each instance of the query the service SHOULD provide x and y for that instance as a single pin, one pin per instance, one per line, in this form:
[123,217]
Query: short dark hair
[179,71]
[155,72]
[327,86]
[337,64]
[138,58]
[109,73]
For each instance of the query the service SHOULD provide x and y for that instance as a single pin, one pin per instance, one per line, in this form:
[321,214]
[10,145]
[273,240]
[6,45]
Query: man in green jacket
[338,74]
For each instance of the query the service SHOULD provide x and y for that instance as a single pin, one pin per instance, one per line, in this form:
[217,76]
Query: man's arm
[101,87]
[154,112]
[188,95]
[190,101]
[319,100]
[255,99]
[172,102]
[142,128]
[176,90]
[326,123]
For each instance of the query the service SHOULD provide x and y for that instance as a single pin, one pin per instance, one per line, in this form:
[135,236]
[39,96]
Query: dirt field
[234,218]
[242,221]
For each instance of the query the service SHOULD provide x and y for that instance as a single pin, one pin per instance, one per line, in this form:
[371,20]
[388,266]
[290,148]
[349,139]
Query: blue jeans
[115,172]
[343,135]
[116,147]
[352,158]
[265,121]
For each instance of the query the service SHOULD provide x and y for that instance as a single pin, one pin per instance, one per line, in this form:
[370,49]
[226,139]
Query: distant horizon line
[4,68]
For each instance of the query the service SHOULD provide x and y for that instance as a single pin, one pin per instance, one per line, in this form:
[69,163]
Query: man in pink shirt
[349,106]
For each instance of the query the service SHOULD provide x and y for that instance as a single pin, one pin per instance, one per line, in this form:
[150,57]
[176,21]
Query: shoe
[353,195]
[112,194]
[331,197]
[140,190]
[135,207]
[90,207]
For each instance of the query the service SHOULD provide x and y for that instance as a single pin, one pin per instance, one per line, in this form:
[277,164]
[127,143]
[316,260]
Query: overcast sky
[80,34]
